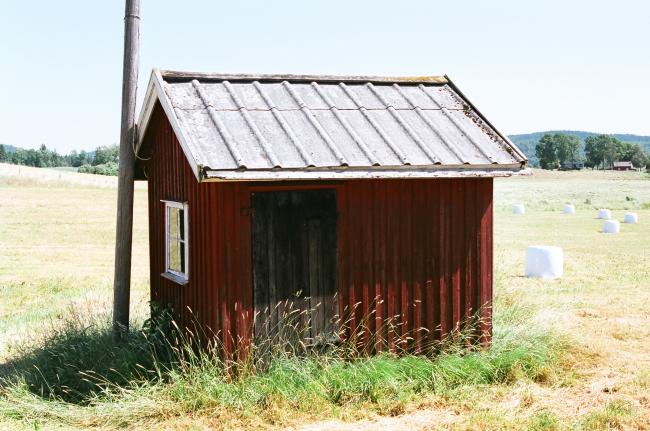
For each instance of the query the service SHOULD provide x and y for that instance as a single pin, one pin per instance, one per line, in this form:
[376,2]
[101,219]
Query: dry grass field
[57,231]
[603,301]
[56,257]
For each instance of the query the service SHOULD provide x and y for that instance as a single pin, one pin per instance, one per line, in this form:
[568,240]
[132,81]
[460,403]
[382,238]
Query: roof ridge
[173,75]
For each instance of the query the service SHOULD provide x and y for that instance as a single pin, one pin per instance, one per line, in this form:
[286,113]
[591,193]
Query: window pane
[176,256]
[181,223]
[174,222]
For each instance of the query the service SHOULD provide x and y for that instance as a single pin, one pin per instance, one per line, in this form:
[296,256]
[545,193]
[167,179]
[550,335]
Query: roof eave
[461,171]
[146,110]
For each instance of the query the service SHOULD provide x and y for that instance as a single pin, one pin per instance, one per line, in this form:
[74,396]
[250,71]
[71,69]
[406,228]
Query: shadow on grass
[81,359]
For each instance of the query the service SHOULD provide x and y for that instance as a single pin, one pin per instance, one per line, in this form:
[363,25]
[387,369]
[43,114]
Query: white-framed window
[176,241]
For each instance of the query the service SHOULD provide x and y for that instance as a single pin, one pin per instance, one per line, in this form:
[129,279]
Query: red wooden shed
[368,198]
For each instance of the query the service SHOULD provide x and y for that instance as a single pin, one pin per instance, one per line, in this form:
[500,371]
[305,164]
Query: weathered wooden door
[294,266]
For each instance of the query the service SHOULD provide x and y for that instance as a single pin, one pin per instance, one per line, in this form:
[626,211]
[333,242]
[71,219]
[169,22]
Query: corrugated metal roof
[275,127]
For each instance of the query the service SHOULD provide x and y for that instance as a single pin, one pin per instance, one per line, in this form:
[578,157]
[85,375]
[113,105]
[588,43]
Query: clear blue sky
[528,66]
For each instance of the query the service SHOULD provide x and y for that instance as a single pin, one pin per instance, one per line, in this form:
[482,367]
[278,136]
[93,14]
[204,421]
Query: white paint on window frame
[179,277]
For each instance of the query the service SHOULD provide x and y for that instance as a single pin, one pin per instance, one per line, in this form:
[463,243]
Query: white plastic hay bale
[604,214]
[631,218]
[569,209]
[544,261]
[611,226]
[518,209]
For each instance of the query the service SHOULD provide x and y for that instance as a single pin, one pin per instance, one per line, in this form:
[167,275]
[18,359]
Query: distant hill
[527,141]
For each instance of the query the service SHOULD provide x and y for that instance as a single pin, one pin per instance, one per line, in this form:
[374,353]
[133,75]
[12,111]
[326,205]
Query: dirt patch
[418,420]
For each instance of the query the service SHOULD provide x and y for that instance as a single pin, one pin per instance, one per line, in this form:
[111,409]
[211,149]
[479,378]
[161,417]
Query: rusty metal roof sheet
[256,127]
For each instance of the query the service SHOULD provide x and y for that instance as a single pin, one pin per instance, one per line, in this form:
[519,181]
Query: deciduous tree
[554,149]
[633,153]
[602,150]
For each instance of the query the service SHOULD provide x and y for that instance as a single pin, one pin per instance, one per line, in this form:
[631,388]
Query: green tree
[78,159]
[594,150]
[82,159]
[568,147]
[546,152]
[71,157]
[554,149]
[633,153]
[105,155]
[3,154]
[43,157]
[613,151]
[16,157]
[32,158]
[602,150]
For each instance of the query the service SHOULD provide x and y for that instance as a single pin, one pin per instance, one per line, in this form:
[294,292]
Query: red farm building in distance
[361,199]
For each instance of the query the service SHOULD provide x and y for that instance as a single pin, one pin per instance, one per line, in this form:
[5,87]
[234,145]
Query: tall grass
[76,375]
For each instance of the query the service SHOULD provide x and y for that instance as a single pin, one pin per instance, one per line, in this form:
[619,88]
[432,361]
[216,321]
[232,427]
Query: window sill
[175,278]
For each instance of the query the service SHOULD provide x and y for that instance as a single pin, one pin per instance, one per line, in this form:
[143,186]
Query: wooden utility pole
[124,236]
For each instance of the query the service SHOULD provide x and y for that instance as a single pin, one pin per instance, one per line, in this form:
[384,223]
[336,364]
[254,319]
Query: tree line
[102,161]
[556,150]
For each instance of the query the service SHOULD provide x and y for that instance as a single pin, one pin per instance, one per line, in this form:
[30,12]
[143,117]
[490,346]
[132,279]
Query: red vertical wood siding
[217,300]
[437,268]
[418,251]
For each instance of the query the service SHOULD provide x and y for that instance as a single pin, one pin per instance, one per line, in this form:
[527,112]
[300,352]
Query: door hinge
[247,211]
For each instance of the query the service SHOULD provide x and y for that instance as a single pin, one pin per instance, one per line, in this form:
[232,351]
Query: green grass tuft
[543,420]
[612,416]
[77,375]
